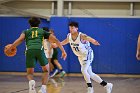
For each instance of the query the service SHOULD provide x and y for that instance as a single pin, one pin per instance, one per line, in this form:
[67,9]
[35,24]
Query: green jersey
[34,38]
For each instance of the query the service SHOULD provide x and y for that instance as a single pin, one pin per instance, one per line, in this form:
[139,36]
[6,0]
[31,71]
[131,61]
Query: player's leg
[56,62]
[30,64]
[95,77]
[62,72]
[45,68]
[55,70]
[30,72]
[51,66]
[84,69]
[49,57]
[45,78]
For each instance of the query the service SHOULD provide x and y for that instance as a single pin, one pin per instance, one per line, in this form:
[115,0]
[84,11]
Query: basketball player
[34,50]
[55,61]
[47,49]
[80,45]
[52,54]
[138,48]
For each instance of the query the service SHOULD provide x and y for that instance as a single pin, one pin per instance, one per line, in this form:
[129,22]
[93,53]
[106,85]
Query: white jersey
[47,46]
[78,47]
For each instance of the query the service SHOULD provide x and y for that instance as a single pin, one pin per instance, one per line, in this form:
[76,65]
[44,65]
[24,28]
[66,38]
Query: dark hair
[75,24]
[46,29]
[34,21]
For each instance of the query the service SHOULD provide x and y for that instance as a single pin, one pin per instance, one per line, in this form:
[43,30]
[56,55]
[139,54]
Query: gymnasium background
[117,36]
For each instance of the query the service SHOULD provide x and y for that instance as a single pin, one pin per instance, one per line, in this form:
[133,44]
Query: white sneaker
[90,90]
[32,86]
[108,87]
[42,90]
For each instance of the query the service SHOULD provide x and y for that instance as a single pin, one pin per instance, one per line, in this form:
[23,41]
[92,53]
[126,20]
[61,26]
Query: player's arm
[18,41]
[64,42]
[53,39]
[90,39]
[138,48]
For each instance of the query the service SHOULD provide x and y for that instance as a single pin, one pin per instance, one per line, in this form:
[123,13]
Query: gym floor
[69,84]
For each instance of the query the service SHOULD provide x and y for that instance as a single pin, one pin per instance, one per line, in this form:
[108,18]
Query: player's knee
[92,74]
[84,71]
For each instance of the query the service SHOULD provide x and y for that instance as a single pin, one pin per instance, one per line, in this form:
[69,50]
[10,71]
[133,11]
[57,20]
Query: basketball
[11,52]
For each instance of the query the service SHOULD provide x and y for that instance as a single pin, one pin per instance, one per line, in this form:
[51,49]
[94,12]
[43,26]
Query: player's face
[52,32]
[73,29]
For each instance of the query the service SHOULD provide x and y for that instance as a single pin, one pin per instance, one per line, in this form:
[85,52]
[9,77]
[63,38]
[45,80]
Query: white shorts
[86,58]
[47,53]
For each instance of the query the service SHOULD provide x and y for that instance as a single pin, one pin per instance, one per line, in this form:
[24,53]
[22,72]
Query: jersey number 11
[34,34]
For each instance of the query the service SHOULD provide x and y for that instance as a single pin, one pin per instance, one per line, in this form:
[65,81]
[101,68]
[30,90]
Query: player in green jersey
[34,51]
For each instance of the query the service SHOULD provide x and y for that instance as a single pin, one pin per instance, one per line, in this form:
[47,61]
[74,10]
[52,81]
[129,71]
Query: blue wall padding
[10,30]
[117,36]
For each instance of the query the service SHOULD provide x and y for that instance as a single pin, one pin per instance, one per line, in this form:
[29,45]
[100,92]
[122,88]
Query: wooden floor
[19,84]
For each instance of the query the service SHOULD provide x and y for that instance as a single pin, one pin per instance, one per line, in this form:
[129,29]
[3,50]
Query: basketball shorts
[34,55]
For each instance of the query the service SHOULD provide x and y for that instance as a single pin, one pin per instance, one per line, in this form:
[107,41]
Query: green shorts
[34,55]
[55,54]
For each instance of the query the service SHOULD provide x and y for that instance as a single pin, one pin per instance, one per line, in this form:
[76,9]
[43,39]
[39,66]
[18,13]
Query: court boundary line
[75,74]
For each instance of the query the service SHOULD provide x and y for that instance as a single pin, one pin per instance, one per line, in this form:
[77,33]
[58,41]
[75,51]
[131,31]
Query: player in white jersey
[80,45]
[47,49]
[138,49]
[52,53]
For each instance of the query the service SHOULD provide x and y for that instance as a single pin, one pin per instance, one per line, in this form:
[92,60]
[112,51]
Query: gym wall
[117,36]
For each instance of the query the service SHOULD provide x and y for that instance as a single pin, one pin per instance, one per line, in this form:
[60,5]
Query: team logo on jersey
[73,44]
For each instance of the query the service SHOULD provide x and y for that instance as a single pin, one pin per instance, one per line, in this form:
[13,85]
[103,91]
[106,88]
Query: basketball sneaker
[54,73]
[108,87]
[32,86]
[90,90]
[62,74]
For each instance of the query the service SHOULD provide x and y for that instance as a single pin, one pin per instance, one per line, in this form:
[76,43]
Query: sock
[89,84]
[103,83]
[61,70]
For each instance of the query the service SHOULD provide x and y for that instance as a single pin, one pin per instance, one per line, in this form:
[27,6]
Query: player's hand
[138,55]
[64,55]
[8,48]
[96,43]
